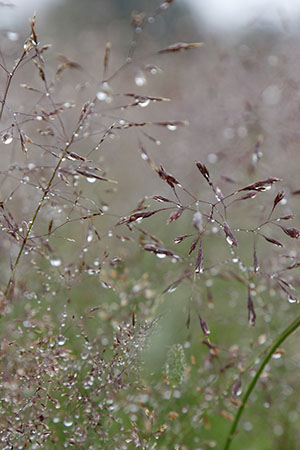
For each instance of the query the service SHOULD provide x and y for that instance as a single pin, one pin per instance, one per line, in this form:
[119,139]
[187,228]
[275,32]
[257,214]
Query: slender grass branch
[46,192]
[276,343]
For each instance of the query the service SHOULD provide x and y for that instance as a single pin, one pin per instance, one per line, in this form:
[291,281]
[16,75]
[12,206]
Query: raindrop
[161,255]
[105,94]
[239,391]
[91,179]
[140,79]
[171,127]
[12,36]
[212,158]
[144,102]
[55,262]
[91,271]
[292,299]
[229,240]
[68,422]
[144,156]
[61,340]
[7,138]
[172,289]
[90,235]
[164,5]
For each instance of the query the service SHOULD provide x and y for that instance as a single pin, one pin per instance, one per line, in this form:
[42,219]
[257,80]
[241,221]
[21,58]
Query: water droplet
[91,179]
[172,289]
[91,271]
[90,235]
[212,158]
[239,391]
[55,262]
[171,127]
[12,36]
[197,221]
[105,93]
[140,79]
[229,240]
[7,138]
[292,299]
[164,5]
[161,255]
[68,422]
[143,102]
[61,340]
[276,355]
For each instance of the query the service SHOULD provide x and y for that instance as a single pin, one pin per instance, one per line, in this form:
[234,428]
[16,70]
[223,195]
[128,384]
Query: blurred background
[240,94]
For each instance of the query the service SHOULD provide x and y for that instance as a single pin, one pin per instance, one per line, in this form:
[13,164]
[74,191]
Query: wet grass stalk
[274,346]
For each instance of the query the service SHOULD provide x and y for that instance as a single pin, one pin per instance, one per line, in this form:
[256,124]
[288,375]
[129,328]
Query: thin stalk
[8,82]
[46,191]
[276,343]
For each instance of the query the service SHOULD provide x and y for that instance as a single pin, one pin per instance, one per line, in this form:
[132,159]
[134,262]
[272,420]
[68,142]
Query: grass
[156,323]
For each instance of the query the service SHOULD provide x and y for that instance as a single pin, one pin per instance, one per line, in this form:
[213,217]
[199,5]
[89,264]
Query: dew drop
[212,158]
[68,422]
[144,102]
[229,240]
[172,289]
[144,156]
[105,93]
[89,236]
[61,340]
[164,5]
[7,138]
[55,262]
[171,127]
[12,36]
[161,255]
[91,179]
[238,393]
[140,79]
